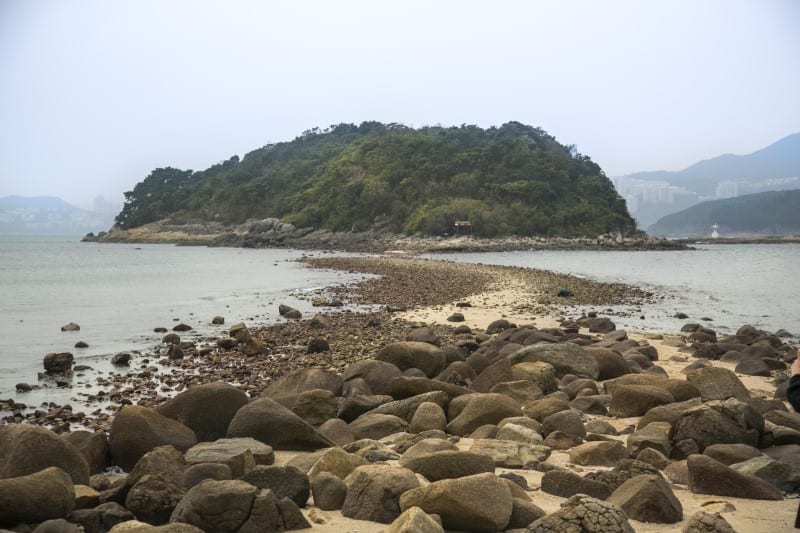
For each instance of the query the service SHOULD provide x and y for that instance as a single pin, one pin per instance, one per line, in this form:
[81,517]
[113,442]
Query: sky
[96,94]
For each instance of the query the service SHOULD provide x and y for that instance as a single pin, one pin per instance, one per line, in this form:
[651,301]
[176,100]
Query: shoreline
[272,233]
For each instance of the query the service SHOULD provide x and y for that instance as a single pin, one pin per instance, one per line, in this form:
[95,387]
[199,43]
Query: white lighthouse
[715,233]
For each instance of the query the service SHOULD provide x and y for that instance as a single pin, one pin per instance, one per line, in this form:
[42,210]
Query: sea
[119,293]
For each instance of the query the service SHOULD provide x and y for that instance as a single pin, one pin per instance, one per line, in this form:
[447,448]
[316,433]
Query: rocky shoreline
[273,233]
[524,421]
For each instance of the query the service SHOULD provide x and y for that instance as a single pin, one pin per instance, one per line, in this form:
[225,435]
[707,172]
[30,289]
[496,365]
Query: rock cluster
[413,438]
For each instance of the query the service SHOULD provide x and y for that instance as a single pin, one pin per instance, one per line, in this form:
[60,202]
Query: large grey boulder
[315,406]
[541,373]
[304,379]
[415,520]
[510,454]
[598,453]
[27,449]
[377,426]
[406,408]
[94,448]
[709,476]
[636,400]
[377,374]
[428,416]
[374,491]
[46,494]
[566,358]
[273,424]
[237,454]
[337,462]
[448,464]
[565,484]
[206,409]
[482,409]
[648,498]
[283,481]
[717,383]
[585,514]
[404,355]
[482,502]
[713,423]
[136,430]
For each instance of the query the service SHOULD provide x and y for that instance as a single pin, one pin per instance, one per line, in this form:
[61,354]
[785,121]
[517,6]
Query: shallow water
[731,284]
[118,293]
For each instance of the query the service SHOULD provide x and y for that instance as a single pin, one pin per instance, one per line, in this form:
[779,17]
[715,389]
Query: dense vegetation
[767,213]
[514,179]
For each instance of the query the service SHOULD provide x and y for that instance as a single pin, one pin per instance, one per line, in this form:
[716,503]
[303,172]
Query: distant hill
[47,215]
[767,213]
[778,160]
[512,179]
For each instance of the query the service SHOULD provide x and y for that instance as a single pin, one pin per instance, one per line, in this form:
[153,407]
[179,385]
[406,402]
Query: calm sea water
[118,293]
[731,284]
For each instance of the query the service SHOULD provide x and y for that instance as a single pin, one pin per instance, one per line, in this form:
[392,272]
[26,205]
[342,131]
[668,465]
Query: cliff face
[511,180]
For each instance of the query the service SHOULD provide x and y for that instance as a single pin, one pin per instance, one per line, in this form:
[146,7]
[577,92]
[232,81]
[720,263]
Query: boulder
[448,464]
[376,426]
[220,506]
[234,453]
[636,400]
[329,491]
[121,359]
[377,374]
[374,491]
[520,391]
[206,409]
[58,363]
[315,406]
[337,462]
[713,423]
[482,409]
[415,520]
[648,498]
[269,422]
[336,430]
[709,476]
[624,470]
[352,407]
[409,354]
[45,494]
[136,430]
[406,407]
[598,453]
[94,448]
[510,454]
[703,522]
[518,433]
[541,409]
[729,454]
[565,484]
[195,474]
[568,421]
[424,334]
[283,481]
[497,372]
[428,416]
[153,498]
[239,332]
[753,367]
[304,379]
[585,514]
[472,503]
[541,373]
[72,326]
[717,383]
[566,358]
[776,473]
[407,386]
[654,435]
[289,312]
[27,449]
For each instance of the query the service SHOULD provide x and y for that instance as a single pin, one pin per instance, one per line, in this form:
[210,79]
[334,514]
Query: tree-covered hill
[515,179]
[768,213]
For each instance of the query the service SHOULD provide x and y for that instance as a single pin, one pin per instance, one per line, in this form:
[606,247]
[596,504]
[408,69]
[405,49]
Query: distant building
[727,189]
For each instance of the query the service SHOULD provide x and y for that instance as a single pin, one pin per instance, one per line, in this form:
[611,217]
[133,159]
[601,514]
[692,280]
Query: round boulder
[205,409]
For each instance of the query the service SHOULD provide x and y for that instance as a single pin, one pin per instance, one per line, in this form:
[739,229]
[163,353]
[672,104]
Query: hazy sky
[95,94]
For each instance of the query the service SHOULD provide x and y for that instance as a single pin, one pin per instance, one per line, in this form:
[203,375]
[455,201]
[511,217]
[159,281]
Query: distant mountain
[776,161]
[48,215]
[767,213]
